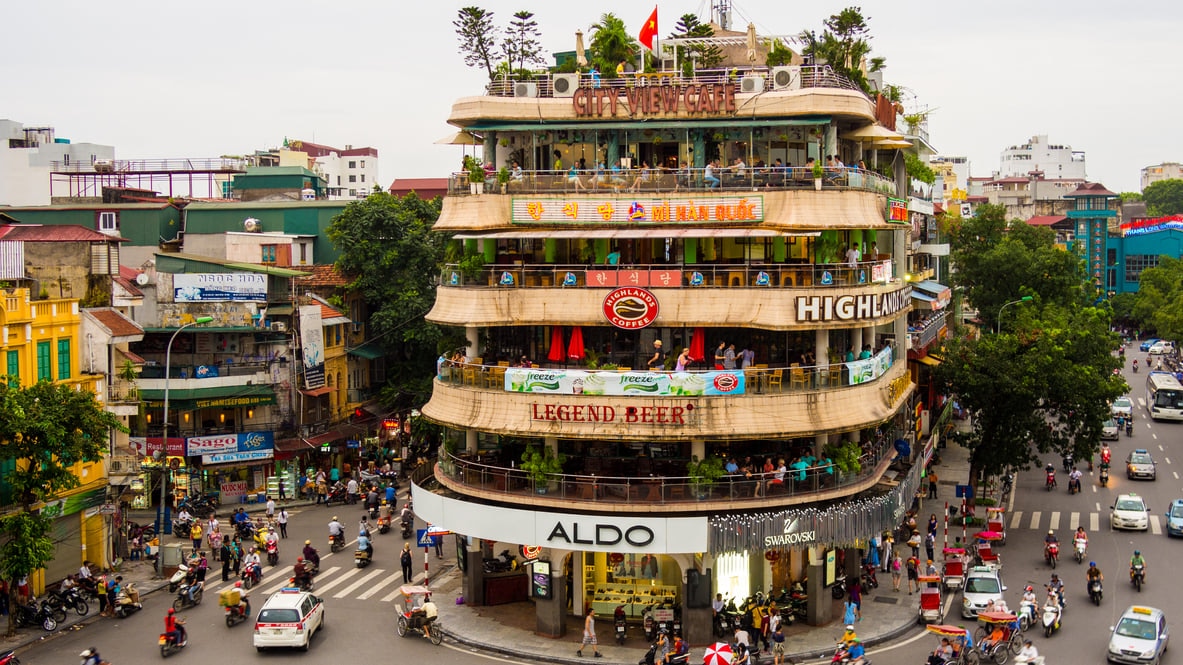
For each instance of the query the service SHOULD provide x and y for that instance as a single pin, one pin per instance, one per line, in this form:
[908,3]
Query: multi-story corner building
[1054,161]
[1094,211]
[1164,171]
[349,173]
[29,154]
[659,210]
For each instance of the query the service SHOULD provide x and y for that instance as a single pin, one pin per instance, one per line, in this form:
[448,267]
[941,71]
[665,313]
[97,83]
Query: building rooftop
[323,275]
[53,233]
[1046,220]
[116,323]
[1090,189]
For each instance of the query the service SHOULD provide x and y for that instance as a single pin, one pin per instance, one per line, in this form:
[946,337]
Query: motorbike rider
[1029,602]
[1050,470]
[1137,560]
[1055,589]
[1135,364]
[310,554]
[336,529]
[184,517]
[1049,540]
[857,653]
[86,578]
[300,574]
[91,657]
[848,637]
[372,499]
[174,628]
[1129,426]
[661,652]
[364,544]
[406,517]
[253,559]
[244,602]
[1074,478]
[1093,573]
[1029,653]
[363,527]
[1081,537]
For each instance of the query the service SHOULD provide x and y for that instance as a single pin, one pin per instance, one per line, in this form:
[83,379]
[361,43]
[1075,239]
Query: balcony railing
[659,181]
[648,490]
[812,76]
[151,165]
[732,275]
[924,331]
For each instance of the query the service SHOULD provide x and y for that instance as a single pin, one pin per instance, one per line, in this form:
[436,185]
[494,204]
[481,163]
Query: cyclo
[998,636]
[963,651]
[411,618]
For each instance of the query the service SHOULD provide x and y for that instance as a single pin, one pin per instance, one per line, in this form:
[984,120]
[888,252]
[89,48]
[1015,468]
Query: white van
[289,618]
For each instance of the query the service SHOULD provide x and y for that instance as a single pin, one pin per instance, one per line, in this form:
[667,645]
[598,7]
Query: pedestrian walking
[589,633]
[283,522]
[930,542]
[195,534]
[438,541]
[778,645]
[848,614]
[932,484]
[283,492]
[226,554]
[914,543]
[271,510]
[405,560]
[913,566]
[896,570]
[856,598]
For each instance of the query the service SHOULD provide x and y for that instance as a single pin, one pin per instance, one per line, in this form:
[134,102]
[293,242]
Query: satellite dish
[142,279]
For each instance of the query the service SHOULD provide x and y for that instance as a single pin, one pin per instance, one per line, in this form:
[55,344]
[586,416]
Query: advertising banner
[623,384]
[231,491]
[862,371]
[312,346]
[220,287]
[242,442]
[641,210]
[231,458]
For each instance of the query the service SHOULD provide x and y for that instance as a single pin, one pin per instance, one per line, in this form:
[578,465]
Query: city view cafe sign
[654,99]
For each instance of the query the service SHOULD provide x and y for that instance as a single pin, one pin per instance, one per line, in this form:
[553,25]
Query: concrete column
[470,442]
[472,335]
[819,444]
[856,340]
[551,442]
[698,448]
[821,347]
[869,337]
[820,609]
[551,613]
[474,580]
[900,262]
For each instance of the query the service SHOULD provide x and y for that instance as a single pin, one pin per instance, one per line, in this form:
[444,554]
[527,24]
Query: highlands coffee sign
[654,100]
[847,307]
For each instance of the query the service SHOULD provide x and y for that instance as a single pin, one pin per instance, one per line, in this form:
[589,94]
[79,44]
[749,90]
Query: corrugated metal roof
[117,324]
[54,233]
[181,263]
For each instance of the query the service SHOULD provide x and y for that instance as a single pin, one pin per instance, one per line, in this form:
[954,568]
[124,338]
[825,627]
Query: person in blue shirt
[390,494]
[857,652]
[731,466]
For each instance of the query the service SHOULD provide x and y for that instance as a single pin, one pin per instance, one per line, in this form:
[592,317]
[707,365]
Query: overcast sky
[178,79]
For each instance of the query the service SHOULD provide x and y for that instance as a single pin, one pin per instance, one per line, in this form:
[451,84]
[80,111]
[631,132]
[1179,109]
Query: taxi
[289,618]
[1129,511]
[1139,637]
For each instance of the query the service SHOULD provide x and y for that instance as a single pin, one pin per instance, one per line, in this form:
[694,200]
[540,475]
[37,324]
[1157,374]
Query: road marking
[1094,488]
[1167,459]
[1074,521]
[1094,522]
[1154,435]
[1155,527]
[1176,474]
[344,576]
[376,588]
[353,587]
[1160,448]
[392,595]
[1035,519]
[1016,520]
[1055,523]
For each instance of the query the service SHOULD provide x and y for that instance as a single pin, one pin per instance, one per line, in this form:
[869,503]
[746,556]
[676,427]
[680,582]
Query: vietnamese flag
[649,30]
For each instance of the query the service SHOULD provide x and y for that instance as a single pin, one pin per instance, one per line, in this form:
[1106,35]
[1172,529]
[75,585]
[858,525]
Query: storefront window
[732,576]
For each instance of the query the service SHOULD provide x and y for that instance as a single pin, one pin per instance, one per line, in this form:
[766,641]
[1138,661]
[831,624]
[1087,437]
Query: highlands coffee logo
[630,308]
[791,535]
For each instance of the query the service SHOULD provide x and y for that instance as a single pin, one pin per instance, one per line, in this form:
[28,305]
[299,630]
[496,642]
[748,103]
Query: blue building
[1139,246]
[1095,206]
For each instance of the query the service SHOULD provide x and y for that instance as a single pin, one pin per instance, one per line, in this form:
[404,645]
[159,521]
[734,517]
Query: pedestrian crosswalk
[1041,521]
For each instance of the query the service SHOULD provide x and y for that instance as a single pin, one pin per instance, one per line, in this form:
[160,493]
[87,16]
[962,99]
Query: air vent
[751,84]
[786,78]
[525,89]
[565,84]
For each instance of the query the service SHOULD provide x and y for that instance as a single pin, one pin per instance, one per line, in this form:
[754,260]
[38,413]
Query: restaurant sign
[644,210]
[654,100]
[847,307]
[623,384]
[606,413]
[897,210]
[630,308]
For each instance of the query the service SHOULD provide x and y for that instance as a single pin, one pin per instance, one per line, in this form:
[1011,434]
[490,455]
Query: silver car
[1109,431]
[982,585]
[1140,636]
[1140,464]
[1122,407]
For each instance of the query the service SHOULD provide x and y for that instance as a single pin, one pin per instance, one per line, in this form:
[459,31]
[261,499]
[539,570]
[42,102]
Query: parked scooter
[9,658]
[620,624]
[35,614]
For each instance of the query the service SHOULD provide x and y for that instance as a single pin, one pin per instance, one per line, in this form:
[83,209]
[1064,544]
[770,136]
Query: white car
[289,618]
[1122,407]
[1161,347]
[982,585]
[1129,512]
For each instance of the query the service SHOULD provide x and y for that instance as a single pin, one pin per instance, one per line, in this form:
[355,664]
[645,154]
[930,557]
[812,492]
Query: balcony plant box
[543,468]
[818,174]
[703,475]
[476,177]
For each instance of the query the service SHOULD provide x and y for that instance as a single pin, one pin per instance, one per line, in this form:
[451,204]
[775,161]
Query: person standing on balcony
[851,256]
[729,357]
[720,354]
[558,165]
[657,362]
[747,357]
[683,360]
[708,176]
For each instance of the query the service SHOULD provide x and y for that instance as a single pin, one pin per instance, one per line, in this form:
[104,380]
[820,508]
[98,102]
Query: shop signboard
[238,458]
[852,307]
[862,371]
[241,442]
[220,287]
[540,580]
[73,503]
[149,445]
[312,348]
[643,210]
[232,491]
[623,384]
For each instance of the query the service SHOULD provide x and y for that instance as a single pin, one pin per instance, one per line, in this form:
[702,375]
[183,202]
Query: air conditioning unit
[786,78]
[751,84]
[525,89]
[564,84]
[279,326]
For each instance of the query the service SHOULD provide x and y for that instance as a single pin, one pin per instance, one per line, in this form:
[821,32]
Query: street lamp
[997,323]
[162,511]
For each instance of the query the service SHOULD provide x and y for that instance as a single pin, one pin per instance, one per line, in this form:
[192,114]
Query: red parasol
[718,653]
[946,630]
[575,348]
[698,345]
[556,345]
[988,535]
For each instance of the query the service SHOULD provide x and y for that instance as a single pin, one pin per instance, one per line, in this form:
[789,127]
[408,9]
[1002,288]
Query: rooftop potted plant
[476,176]
[503,178]
[704,474]
[818,174]
[542,466]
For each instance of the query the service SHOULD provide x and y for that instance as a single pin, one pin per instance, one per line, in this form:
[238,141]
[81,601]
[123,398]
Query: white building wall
[24,171]
[1055,160]
[1164,171]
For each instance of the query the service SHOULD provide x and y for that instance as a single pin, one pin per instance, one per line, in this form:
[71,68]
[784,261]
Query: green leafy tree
[392,258]
[917,169]
[478,37]
[47,428]
[1164,197]
[1130,197]
[610,44]
[779,54]
[1158,305]
[688,26]
[521,45]
[844,43]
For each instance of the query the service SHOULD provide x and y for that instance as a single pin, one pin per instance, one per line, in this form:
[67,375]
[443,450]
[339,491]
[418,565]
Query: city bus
[1164,396]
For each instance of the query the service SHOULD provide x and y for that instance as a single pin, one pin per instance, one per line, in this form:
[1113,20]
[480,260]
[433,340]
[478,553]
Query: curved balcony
[758,403]
[470,476]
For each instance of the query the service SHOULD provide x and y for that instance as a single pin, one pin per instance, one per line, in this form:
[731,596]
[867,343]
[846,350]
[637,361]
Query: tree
[1130,197]
[521,46]
[478,37]
[997,262]
[844,44]
[1158,305]
[392,258]
[47,428]
[611,44]
[689,27]
[1164,197]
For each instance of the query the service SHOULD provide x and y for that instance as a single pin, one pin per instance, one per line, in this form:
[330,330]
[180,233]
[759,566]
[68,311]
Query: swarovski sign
[792,534]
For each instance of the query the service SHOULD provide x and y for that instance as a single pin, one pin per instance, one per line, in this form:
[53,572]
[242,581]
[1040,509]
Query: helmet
[334,518]
[87,654]
[1051,532]
[1029,588]
[238,584]
[1137,552]
[307,542]
[299,559]
[171,611]
[850,627]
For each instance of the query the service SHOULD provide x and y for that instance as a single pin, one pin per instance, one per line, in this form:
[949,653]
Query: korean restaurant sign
[654,100]
[847,307]
[897,211]
[637,211]
[623,384]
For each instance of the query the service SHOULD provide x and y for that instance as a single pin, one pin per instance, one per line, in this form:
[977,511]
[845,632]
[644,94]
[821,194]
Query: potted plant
[845,456]
[704,474]
[542,465]
[818,174]
[503,178]
[128,374]
[476,177]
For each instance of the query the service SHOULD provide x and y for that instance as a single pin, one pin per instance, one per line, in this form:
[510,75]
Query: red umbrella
[575,349]
[556,345]
[698,346]
[718,653]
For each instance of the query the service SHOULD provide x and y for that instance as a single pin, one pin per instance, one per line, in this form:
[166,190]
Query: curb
[83,622]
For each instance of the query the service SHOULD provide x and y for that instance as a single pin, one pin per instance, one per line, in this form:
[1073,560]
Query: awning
[328,437]
[294,445]
[941,294]
[634,232]
[317,392]
[279,310]
[919,295]
[335,321]
[369,351]
[688,124]
[206,329]
[928,360]
[204,398]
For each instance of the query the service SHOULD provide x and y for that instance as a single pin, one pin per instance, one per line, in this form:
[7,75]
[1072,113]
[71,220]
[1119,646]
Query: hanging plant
[504,142]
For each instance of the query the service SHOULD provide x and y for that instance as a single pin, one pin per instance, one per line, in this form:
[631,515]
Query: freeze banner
[623,384]
[862,371]
[312,346]
[220,287]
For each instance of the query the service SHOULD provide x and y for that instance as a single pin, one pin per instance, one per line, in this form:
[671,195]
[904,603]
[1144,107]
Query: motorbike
[1129,428]
[1068,460]
[1073,485]
[272,553]
[1095,591]
[1008,483]
[1051,480]
[128,601]
[70,599]
[144,532]
[1103,478]
[235,615]
[870,581]
[304,584]
[505,563]
[648,624]
[175,581]
[244,530]
[383,524]
[9,658]
[169,645]
[181,528]
[1051,618]
[182,601]
[1079,549]
[838,591]
[407,527]
[362,558]
[35,614]
[335,494]
[650,657]
[1138,576]
[1026,614]
[252,574]
[619,625]
[1051,553]
[1135,367]
[337,542]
